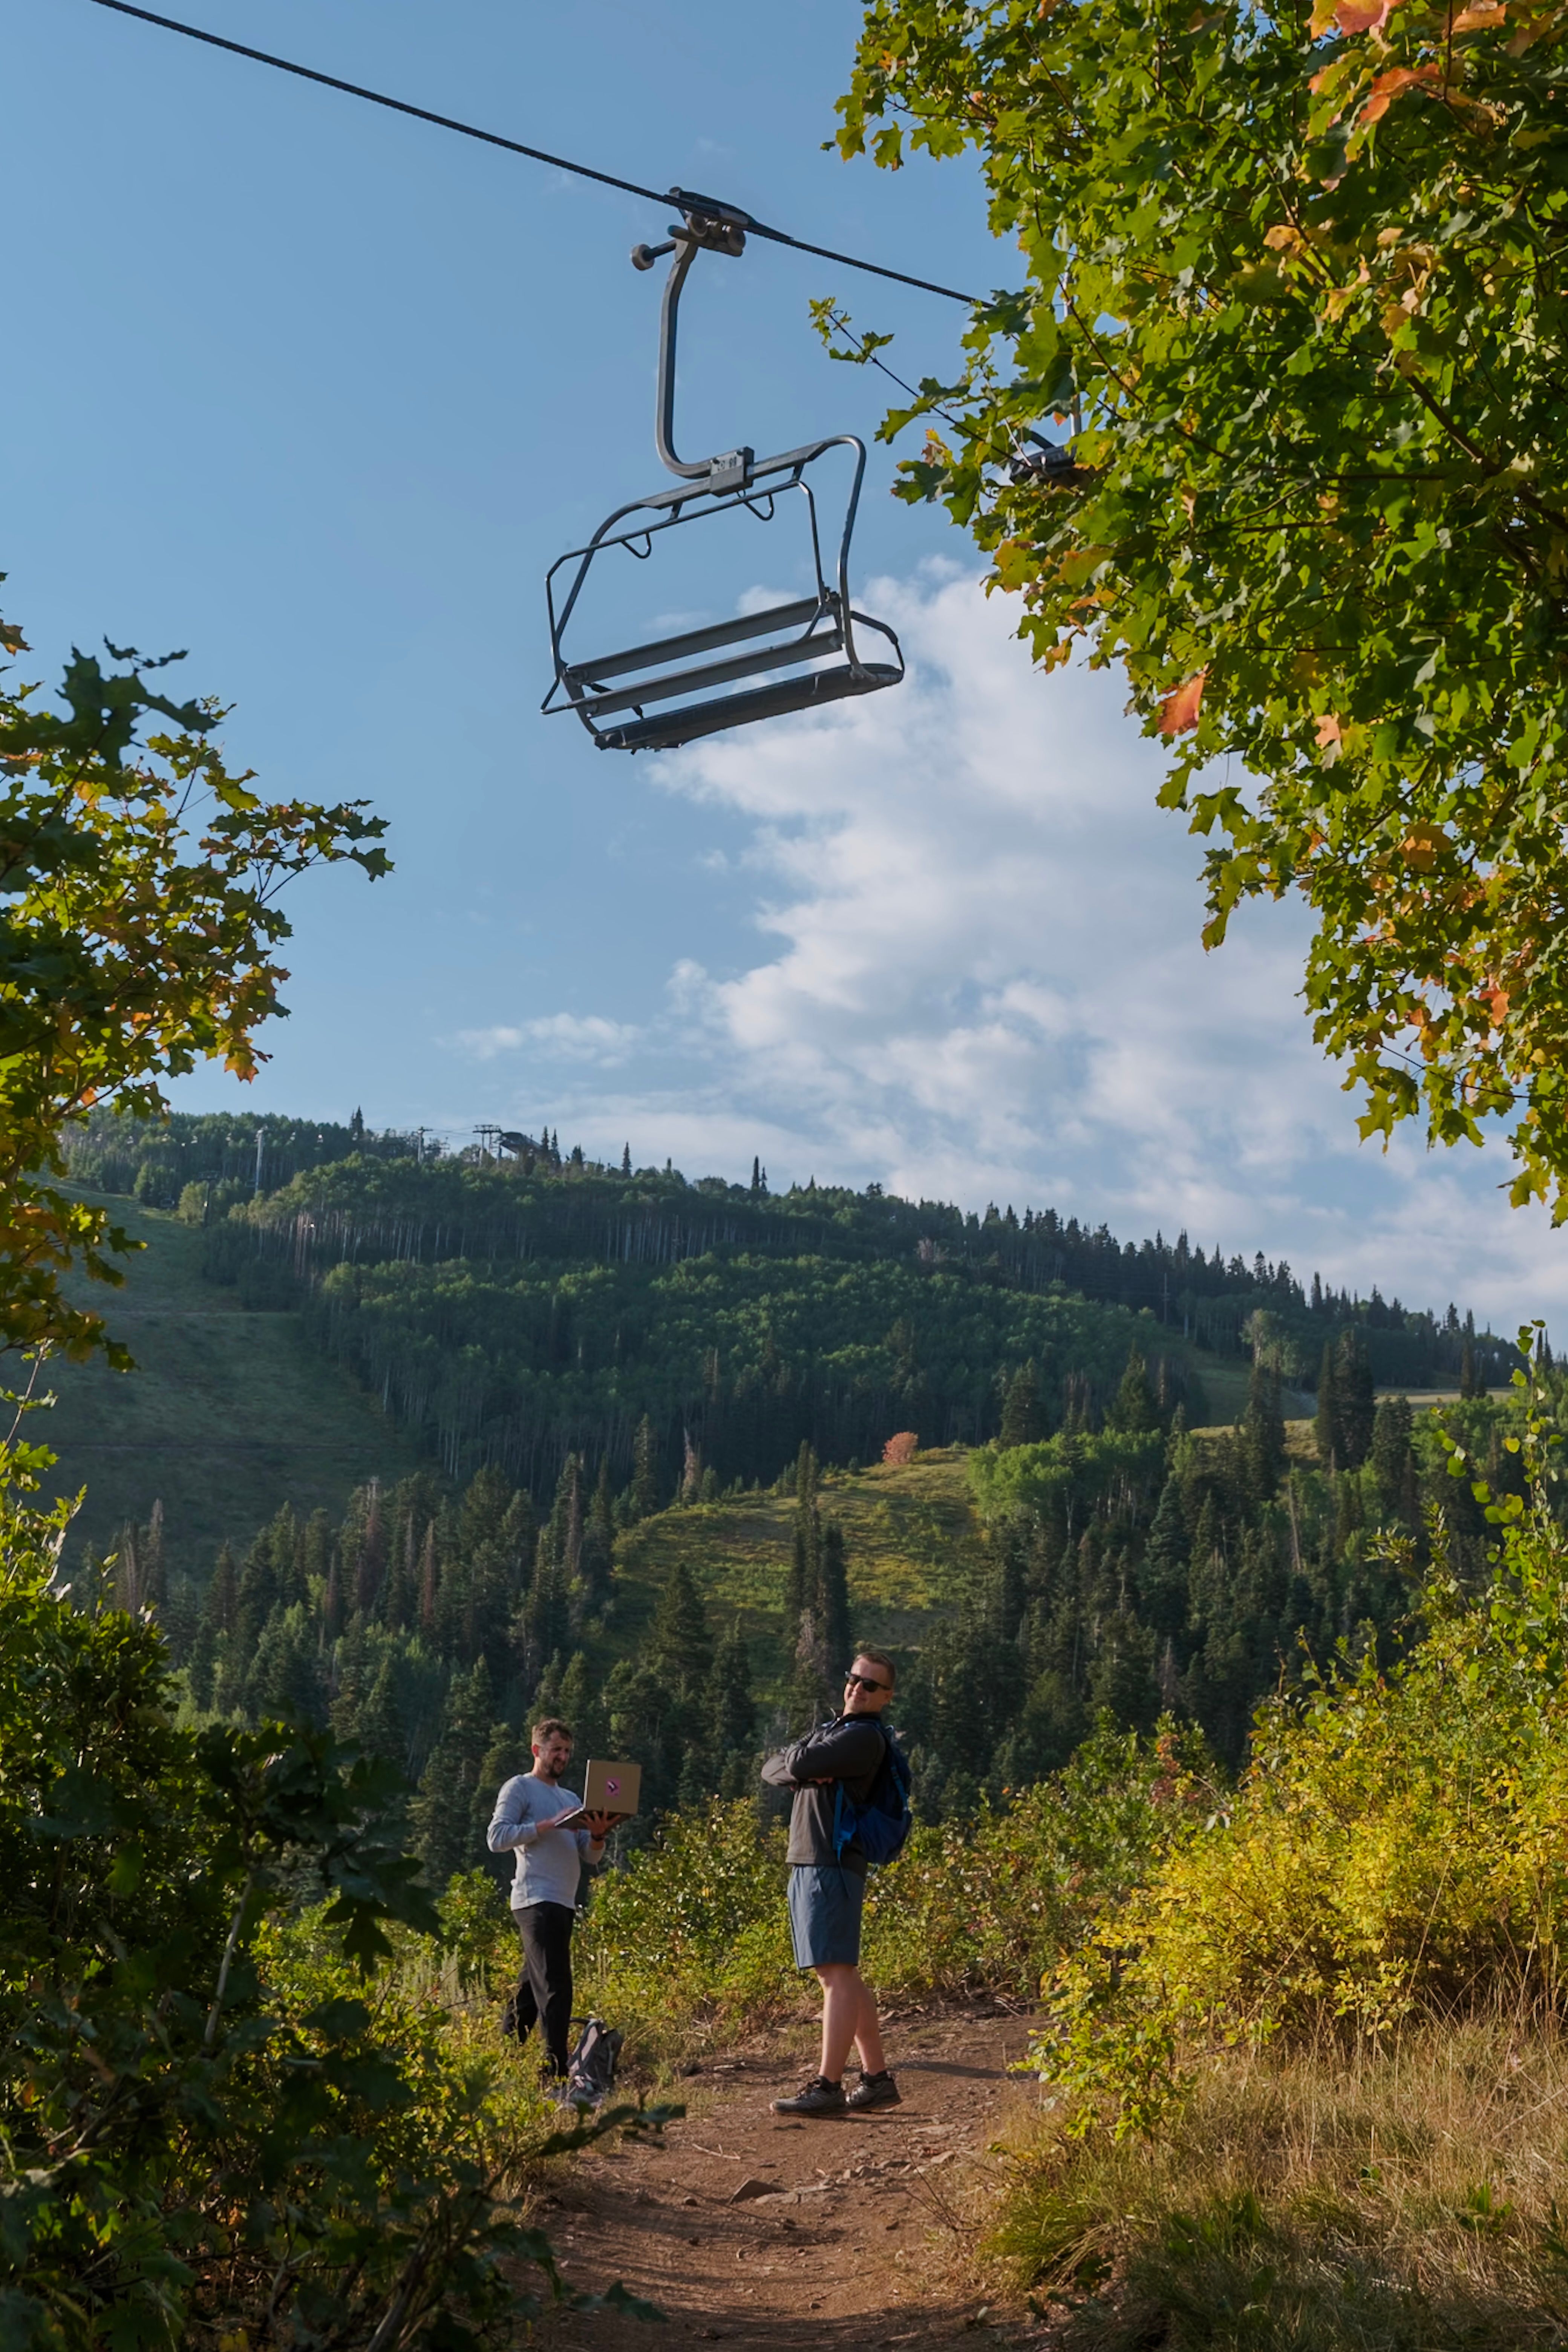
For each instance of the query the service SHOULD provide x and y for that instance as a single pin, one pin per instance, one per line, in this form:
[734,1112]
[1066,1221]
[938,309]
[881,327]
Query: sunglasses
[864,1682]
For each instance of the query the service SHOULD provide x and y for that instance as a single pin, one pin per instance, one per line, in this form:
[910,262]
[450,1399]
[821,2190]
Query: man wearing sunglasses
[828,1888]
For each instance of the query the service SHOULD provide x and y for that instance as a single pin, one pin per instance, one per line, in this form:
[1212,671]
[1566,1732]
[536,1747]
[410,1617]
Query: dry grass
[1389,2199]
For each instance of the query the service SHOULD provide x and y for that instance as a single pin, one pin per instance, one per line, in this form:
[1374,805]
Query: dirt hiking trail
[752,2230]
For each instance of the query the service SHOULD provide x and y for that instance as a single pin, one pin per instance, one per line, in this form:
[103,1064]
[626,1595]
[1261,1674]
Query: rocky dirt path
[752,2230]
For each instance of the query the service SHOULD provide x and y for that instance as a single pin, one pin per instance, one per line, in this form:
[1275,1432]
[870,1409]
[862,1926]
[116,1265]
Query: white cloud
[980,978]
[573,1037]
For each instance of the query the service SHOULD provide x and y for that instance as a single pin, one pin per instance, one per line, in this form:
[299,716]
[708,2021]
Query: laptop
[610,1789]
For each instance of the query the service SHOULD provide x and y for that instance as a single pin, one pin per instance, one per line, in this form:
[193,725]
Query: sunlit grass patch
[1398,2197]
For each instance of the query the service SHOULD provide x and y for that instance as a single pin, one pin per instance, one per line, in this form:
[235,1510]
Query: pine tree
[1356,1399]
[402,1583]
[679,1650]
[202,1665]
[645,1471]
[563,1537]
[258,1595]
[370,1564]
[428,1583]
[482,1514]
[382,1727]
[154,1578]
[732,1716]
[545,1619]
[332,1603]
[597,1570]
[283,1676]
[1328,1423]
[1134,1409]
[802,1592]
[1163,1578]
[626,1160]
[809,1700]
[834,1598]
[1263,1434]
[442,1817]
[1124,1676]
[1023,1422]
[317,1551]
[221,1608]
[583,1708]
[1391,1451]
[546,1699]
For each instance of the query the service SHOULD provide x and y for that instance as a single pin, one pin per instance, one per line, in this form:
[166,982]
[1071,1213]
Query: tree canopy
[1294,280]
[138,932]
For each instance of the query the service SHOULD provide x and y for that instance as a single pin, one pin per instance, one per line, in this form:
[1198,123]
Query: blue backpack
[884,1821]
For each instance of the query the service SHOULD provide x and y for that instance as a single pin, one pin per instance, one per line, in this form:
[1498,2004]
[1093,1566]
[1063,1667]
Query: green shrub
[692,1936]
[222,2115]
[1398,1847]
[691,1931]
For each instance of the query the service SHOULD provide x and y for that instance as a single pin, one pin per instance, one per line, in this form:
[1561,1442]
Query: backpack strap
[844,1822]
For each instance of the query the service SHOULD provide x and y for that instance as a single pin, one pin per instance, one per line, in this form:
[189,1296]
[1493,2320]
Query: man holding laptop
[553,1834]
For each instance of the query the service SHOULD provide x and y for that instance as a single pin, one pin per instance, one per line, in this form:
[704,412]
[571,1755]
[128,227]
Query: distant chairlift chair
[803,636]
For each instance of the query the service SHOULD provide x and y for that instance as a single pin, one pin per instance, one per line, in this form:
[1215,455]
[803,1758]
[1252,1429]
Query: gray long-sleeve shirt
[850,1748]
[548,1867]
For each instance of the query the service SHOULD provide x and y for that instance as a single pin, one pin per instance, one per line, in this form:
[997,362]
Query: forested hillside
[515,1311]
[654,1413]
[1138,1569]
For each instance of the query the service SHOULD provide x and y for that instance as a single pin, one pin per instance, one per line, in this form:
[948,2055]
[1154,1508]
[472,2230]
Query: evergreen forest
[667,1427]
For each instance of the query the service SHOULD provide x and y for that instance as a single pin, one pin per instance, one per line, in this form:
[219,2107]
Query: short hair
[876,1658]
[551,1727]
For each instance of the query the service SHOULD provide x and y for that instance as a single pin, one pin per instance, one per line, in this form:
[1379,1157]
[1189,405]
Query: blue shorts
[825,1904]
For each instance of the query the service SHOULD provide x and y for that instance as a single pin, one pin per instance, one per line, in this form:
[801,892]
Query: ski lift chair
[616,694]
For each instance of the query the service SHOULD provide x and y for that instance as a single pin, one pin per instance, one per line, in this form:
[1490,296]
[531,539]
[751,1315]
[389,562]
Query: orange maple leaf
[1421,846]
[1329,730]
[1363,16]
[1387,87]
[1179,711]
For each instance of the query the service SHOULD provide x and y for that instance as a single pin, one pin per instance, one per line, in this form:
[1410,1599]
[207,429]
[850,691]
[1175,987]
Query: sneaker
[875,2091]
[820,2097]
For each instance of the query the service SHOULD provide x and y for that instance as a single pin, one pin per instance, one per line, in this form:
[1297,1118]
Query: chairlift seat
[814,631]
[667,730]
[803,634]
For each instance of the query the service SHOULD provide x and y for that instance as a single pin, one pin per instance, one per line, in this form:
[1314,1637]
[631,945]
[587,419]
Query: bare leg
[848,2014]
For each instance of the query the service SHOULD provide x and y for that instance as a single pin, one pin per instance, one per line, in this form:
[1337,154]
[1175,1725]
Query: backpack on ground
[591,2069]
[884,1821]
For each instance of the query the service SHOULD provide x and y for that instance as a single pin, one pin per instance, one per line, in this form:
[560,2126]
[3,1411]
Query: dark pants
[544,1989]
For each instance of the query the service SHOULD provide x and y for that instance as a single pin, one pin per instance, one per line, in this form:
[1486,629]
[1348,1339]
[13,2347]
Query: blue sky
[320,393]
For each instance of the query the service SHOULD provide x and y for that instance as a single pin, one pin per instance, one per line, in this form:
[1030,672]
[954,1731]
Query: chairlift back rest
[804,610]
[695,681]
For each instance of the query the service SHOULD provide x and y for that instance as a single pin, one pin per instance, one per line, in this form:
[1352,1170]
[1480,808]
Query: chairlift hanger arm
[706,225]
